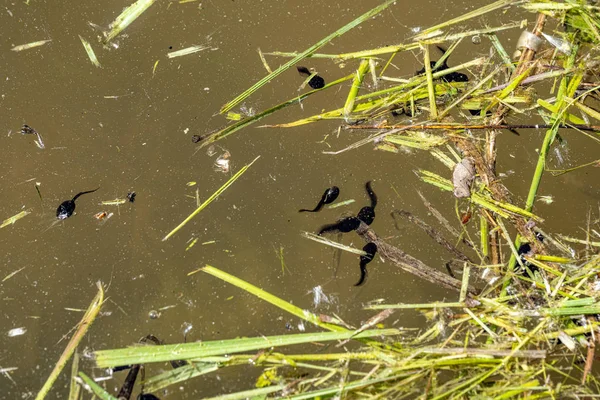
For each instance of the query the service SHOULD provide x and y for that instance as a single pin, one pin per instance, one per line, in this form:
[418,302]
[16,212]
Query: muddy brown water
[122,128]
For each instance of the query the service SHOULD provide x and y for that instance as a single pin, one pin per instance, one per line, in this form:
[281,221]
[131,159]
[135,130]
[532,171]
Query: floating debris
[27,130]
[14,218]
[100,215]
[131,196]
[319,296]
[124,19]
[187,51]
[115,202]
[464,173]
[193,242]
[7,277]
[31,45]
[17,332]
[90,51]
[222,163]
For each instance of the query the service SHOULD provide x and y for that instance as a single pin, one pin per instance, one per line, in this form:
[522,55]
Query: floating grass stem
[211,199]
[85,323]
[125,19]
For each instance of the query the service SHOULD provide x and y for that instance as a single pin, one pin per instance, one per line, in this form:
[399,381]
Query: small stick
[589,361]
[434,234]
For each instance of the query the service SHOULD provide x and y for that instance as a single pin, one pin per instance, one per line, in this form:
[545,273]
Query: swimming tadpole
[316,82]
[328,197]
[67,207]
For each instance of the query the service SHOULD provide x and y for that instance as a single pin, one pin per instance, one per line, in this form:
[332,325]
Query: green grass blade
[31,45]
[83,326]
[95,388]
[90,51]
[124,19]
[187,351]
[359,76]
[304,54]
[14,218]
[472,14]
[223,133]
[276,301]
[211,198]
[74,388]
[178,375]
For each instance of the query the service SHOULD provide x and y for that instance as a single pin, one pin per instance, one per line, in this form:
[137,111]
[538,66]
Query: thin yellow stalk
[83,326]
[430,89]
[211,198]
[356,84]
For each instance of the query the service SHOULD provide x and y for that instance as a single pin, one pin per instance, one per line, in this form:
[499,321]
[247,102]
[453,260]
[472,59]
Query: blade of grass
[124,19]
[83,326]
[187,351]
[14,218]
[427,33]
[304,54]
[276,301]
[90,51]
[178,375]
[430,89]
[187,51]
[223,133]
[31,45]
[94,388]
[356,84]
[210,199]
[74,389]
[321,239]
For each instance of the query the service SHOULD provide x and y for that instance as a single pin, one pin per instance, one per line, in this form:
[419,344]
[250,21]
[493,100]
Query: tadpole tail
[81,193]
[316,209]
[129,383]
[371,194]
[363,274]
[329,228]
[440,48]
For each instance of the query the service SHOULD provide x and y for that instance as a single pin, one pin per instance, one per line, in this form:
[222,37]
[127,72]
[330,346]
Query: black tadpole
[328,197]
[349,224]
[344,225]
[367,214]
[371,250]
[67,207]
[316,82]
[526,250]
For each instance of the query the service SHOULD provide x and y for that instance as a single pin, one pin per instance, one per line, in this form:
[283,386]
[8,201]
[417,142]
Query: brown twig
[589,361]
[433,233]
[410,264]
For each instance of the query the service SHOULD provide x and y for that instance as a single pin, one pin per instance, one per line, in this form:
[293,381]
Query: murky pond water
[128,127]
